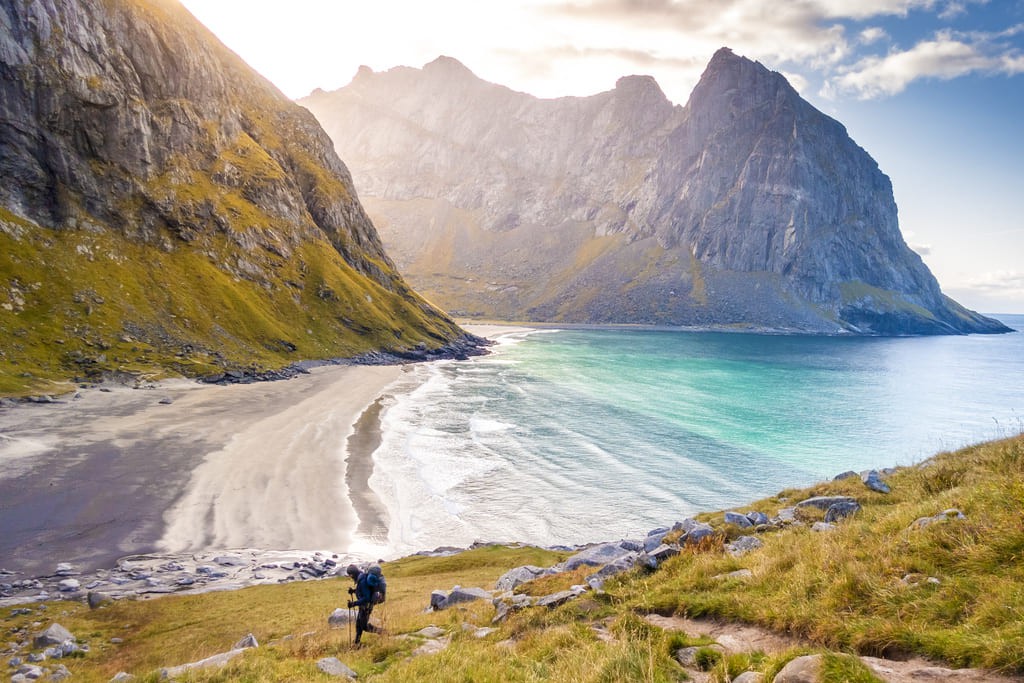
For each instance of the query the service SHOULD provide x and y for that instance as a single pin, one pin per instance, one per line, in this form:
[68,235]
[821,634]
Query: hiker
[370,589]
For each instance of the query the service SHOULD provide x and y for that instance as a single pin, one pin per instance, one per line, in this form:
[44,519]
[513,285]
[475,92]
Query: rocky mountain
[745,208]
[164,208]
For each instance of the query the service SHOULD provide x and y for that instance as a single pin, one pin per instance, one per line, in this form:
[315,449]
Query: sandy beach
[182,467]
[187,467]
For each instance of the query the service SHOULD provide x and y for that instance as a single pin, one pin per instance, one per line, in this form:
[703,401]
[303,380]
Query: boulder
[121,676]
[698,533]
[737,519]
[841,510]
[332,666]
[340,617]
[757,518]
[437,599]
[560,598]
[97,599]
[743,545]
[944,516]
[218,660]
[520,575]
[623,564]
[596,556]
[246,642]
[431,632]
[460,595]
[820,527]
[55,634]
[873,480]
[806,669]
[845,475]
[653,559]
[69,585]
[64,569]
[749,677]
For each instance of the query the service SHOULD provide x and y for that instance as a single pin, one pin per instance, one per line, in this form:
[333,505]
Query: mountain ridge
[167,210]
[746,207]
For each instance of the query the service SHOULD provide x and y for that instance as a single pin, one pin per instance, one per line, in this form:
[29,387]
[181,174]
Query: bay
[577,435]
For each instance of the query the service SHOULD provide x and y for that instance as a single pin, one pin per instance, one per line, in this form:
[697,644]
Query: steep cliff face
[163,205]
[746,207]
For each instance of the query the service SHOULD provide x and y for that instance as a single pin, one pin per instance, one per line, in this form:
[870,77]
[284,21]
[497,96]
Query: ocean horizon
[570,435]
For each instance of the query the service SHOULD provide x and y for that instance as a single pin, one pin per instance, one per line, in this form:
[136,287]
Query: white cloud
[798,82]
[1001,282]
[872,35]
[944,57]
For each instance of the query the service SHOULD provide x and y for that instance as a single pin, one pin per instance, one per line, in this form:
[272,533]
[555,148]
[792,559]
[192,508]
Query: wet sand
[114,473]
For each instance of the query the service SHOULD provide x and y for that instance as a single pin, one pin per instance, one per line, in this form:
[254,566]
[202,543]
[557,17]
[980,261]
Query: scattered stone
[841,510]
[597,580]
[596,556]
[461,595]
[218,660]
[743,545]
[757,518]
[737,519]
[520,575]
[60,673]
[944,516]
[749,677]
[873,480]
[431,632]
[332,666]
[340,617]
[230,561]
[122,676]
[845,475]
[166,401]
[54,635]
[246,642]
[824,502]
[560,598]
[806,669]
[698,533]
[786,515]
[653,559]
[738,575]
[822,527]
[64,569]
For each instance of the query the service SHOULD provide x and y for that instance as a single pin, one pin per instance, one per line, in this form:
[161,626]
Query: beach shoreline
[184,467]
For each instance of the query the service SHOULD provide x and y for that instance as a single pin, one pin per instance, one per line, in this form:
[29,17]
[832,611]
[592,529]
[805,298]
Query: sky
[932,89]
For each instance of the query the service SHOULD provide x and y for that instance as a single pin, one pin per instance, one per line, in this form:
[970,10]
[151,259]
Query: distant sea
[570,436]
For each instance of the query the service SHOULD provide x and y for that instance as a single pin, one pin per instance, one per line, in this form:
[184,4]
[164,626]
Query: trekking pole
[349,621]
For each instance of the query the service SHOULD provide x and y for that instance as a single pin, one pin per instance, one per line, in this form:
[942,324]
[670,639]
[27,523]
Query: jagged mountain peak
[746,207]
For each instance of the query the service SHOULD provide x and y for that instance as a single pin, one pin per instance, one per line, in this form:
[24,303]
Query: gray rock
[653,559]
[246,642]
[743,545]
[460,595]
[749,677]
[518,576]
[873,480]
[787,515]
[122,676]
[820,527]
[64,569]
[68,585]
[230,561]
[757,518]
[824,502]
[218,660]
[340,617]
[841,510]
[597,580]
[332,666]
[944,516]
[560,598]
[737,519]
[59,673]
[438,599]
[596,556]
[845,475]
[55,634]
[698,533]
[738,575]
[632,545]
[431,632]
[806,669]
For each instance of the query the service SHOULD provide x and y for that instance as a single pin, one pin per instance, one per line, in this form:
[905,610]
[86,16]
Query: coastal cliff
[746,207]
[165,210]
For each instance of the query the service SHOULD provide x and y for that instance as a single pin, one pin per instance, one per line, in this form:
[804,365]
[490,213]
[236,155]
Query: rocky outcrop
[163,206]
[747,207]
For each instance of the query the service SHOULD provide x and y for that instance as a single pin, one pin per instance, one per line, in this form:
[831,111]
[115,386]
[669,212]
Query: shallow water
[582,435]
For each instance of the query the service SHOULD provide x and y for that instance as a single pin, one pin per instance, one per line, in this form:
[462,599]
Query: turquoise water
[580,435]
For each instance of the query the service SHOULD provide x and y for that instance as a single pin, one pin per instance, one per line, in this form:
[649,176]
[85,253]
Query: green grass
[842,592]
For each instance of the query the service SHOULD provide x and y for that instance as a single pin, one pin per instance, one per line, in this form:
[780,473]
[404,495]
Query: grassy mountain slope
[165,210]
[952,591]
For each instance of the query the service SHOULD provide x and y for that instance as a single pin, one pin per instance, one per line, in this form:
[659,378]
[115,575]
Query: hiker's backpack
[380,591]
